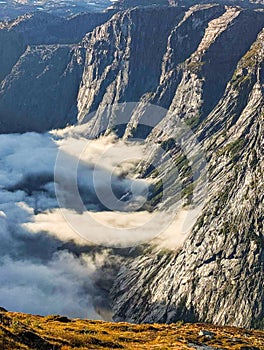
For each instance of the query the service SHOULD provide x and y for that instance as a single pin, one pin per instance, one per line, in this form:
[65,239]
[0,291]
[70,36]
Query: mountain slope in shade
[43,28]
[39,74]
[24,106]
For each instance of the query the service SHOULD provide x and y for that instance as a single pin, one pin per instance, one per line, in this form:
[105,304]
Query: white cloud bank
[36,274]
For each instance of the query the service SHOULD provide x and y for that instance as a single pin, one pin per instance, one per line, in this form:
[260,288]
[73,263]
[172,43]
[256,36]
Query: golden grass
[23,331]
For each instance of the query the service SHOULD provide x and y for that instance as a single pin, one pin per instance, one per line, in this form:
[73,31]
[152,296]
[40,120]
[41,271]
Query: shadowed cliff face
[43,28]
[39,82]
[14,47]
[40,92]
[161,55]
[123,58]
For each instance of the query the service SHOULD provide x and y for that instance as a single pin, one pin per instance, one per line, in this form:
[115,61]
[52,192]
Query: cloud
[41,216]
[62,286]
[38,274]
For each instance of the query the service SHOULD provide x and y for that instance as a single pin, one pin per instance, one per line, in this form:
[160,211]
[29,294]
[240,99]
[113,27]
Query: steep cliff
[217,276]
[188,47]
[14,46]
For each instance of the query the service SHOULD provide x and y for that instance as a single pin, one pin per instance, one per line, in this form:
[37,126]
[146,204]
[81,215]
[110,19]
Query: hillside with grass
[24,331]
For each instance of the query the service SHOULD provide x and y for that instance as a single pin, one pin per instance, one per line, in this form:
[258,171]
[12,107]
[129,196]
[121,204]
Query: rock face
[127,71]
[208,71]
[14,48]
[217,276]
[188,50]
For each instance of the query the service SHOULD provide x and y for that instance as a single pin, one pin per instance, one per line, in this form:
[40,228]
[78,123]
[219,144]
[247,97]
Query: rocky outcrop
[189,61]
[119,62]
[114,70]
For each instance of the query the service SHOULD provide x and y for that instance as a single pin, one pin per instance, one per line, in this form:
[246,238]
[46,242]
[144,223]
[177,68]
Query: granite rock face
[188,49]
[217,276]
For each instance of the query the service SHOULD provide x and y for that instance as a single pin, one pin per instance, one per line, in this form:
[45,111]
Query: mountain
[24,331]
[44,85]
[10,9]
[125,4]
[204,65]
[38,28]
[208,71]
[41,65]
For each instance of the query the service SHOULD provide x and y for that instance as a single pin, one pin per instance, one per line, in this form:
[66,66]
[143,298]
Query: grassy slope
[23,331]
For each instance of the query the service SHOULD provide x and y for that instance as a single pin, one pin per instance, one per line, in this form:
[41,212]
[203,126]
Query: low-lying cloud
[38,274]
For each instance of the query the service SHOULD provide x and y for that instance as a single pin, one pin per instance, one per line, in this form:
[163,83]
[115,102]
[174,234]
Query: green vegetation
[246,66]
[239,80]
[254,159]
[199,222]
[165,252]
[223,197]
[194,66]
[233,149]
[250,59]
[168,144]
[193,122]
[187,193]
[174,186]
